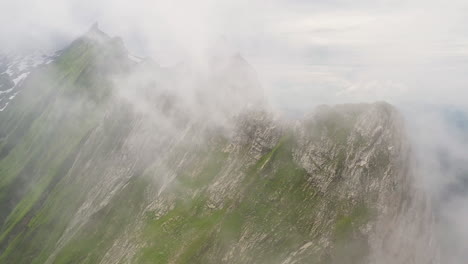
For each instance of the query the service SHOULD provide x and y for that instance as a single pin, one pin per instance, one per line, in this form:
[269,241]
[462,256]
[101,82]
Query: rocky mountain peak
[96,34]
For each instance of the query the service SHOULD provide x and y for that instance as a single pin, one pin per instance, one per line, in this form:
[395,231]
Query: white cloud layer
[306,52]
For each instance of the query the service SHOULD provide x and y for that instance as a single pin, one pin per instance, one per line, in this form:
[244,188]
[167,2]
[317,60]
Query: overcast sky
[305,52]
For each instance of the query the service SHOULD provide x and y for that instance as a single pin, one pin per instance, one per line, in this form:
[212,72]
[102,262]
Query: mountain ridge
[102,163]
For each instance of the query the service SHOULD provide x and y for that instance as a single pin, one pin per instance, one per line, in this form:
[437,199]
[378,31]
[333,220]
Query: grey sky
[306,52]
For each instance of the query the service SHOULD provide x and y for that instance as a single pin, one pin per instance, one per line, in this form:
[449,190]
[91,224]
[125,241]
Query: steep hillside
[104,159]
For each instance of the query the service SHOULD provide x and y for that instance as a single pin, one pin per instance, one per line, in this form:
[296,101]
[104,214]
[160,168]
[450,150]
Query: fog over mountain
[319,51]
[233,131]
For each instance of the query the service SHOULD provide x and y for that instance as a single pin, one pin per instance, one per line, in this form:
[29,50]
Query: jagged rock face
[375,168]
[89,176]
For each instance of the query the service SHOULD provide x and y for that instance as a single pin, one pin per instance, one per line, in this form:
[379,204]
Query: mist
[292,56]
[439,138]
[305,52]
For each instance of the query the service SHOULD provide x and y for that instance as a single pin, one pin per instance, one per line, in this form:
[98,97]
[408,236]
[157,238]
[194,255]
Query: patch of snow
[18,68]
[20,78]
[135,58]
[6,91]
[38,60]
[9,71]
[1,109]
[13,96]
[22,65]
[30,61]
[19,64]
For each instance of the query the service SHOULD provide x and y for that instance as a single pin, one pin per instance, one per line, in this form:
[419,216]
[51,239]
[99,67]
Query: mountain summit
[97,34]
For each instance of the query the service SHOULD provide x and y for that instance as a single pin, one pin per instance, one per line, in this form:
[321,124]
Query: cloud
[420,45]
[439,145]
